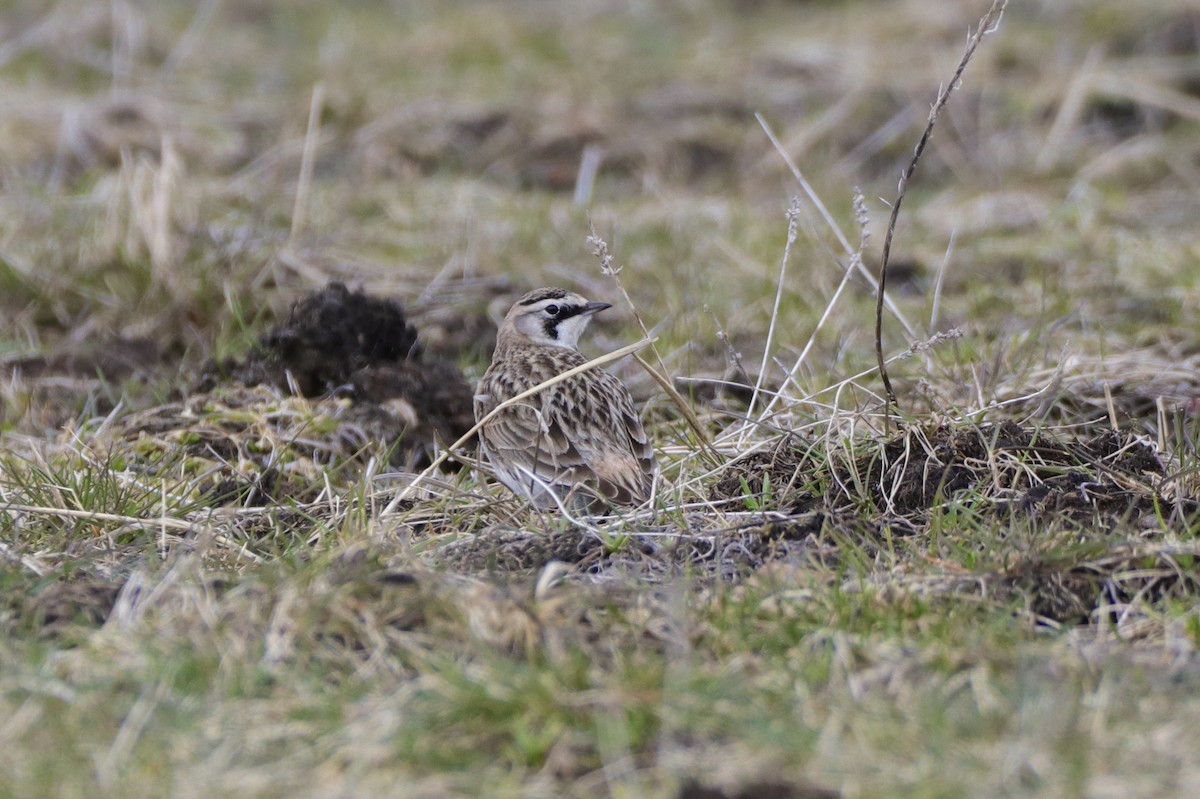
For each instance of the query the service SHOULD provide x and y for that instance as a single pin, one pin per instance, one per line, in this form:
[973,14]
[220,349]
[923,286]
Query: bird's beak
[595,307]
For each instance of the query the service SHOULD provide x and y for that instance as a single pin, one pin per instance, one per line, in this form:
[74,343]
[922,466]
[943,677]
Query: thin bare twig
[986,25]
[97,516]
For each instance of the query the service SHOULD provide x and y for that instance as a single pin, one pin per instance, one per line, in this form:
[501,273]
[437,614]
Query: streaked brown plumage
[582,432]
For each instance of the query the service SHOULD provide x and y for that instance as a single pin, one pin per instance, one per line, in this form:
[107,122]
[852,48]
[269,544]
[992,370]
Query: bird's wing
[523,442]
[595,430]
[586,430]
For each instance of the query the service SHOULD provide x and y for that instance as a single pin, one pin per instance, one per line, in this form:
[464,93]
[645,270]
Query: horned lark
[581,438]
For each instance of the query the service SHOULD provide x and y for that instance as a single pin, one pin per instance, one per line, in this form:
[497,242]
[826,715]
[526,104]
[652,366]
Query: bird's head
[551,317]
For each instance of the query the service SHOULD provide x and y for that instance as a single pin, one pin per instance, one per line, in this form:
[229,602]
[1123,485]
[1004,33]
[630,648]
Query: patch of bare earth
[342,380]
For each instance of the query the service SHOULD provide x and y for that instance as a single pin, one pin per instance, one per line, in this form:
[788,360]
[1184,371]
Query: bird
[580,441]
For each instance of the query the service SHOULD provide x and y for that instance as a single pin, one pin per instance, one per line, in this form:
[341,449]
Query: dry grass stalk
[609,268]
[986,25]
[827,217]
[307,162]
[793,215]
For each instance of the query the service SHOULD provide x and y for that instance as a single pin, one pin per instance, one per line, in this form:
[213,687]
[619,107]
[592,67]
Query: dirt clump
[1095,583]
[343,343]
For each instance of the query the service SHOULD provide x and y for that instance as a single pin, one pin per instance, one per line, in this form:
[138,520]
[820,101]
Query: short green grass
[783,614]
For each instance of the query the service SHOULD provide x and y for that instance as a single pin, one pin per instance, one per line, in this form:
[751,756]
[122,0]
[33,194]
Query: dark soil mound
[347,343]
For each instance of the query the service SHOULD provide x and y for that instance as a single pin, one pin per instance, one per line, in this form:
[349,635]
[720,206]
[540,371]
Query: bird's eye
[552,310]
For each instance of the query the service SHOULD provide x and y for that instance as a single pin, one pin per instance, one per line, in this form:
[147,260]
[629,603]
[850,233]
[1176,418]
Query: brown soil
[348,344]
[366,390]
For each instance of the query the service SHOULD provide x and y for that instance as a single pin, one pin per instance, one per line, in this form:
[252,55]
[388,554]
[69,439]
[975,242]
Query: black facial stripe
[567,311]
[550,323]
